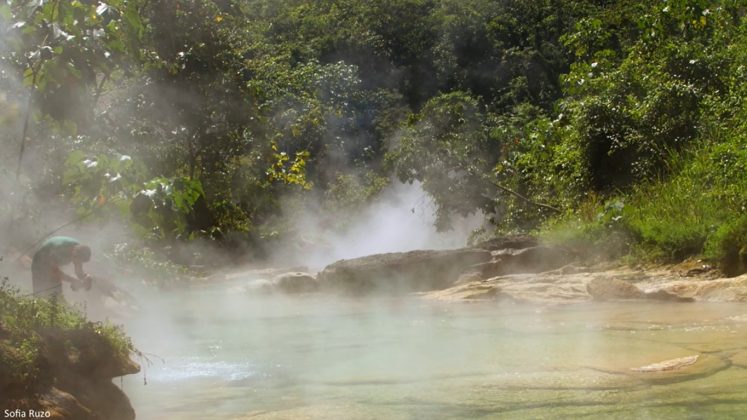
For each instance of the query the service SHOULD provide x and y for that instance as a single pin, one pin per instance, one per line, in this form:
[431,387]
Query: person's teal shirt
[57,250]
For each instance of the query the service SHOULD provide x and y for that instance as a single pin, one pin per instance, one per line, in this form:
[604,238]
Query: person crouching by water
[57,251]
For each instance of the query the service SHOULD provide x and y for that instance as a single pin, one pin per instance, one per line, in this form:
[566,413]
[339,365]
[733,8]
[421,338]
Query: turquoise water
[223,354]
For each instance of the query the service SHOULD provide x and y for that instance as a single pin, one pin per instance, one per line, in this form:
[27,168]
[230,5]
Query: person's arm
[83,278]
[79,271]
[61,276]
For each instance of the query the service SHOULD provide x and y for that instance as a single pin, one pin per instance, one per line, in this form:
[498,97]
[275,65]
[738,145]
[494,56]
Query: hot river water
[224,354]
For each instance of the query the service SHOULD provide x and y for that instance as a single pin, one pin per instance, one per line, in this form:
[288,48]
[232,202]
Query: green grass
[700,211]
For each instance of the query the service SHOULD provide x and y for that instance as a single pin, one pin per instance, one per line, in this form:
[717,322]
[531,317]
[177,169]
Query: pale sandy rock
[534,288]
[616,284]
[671,364]
[719,290]
[611,288]
[680,369]
[739,359]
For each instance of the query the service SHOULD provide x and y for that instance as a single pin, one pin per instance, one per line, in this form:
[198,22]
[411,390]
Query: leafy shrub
[23,318]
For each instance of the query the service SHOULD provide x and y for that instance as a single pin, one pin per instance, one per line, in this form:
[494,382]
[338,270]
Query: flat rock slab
[671,364]
[680,369]
[740,359]
[720,290]
[530,288]
[559,286]
[400,272]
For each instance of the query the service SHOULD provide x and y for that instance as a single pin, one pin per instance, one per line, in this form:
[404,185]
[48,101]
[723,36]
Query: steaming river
[229,355]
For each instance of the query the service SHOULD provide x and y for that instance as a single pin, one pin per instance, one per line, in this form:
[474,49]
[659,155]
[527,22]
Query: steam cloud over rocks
[401,219]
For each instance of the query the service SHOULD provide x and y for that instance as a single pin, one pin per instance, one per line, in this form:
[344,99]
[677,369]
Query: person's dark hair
[82,253]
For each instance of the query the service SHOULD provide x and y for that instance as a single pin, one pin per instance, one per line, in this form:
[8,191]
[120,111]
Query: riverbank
[56,364]
[516,268]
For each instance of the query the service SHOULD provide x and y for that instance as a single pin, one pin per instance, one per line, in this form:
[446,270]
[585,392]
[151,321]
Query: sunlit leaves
[64,48]
[287,171]
[446,148]
[92,181]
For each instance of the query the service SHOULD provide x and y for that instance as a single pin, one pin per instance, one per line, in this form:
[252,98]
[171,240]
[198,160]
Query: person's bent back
[46,275]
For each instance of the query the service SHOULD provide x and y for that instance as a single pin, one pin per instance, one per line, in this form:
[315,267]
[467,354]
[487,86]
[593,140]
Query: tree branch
[532,202]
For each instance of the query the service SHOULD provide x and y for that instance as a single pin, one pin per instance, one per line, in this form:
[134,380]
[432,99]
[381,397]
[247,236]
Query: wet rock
[62,405]
[295,283]
[248,273]
[530,288]
[83,364]
[475,290]
[734,261]
[680,369]
[570,269]
[672,364]
[578,285]
[719,290]
[400,272]
[75,383]
[740,359]
[612,289]
[84,353]
[533,260]
[663,295]
[508,242]
[469,277]
[536,259]
[605,288]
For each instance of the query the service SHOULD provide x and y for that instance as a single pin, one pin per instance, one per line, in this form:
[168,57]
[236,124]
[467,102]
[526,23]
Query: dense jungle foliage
[620,124]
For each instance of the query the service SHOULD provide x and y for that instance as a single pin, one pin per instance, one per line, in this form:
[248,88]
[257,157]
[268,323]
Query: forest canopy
[616,124]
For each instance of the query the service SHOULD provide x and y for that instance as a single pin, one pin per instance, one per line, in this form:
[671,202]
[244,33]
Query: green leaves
[289,172]
[164,207]
[65,49]
[446,147]
[92,182]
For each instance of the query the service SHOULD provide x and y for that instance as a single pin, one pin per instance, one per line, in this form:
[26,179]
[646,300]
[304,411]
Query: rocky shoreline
[515,268]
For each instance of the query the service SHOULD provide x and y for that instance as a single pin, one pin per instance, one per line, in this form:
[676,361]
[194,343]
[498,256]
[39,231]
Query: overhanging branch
[526,199]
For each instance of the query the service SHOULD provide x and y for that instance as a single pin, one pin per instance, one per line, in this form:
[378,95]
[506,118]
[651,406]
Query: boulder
[536,259]
[75,382]
[295,282]
[62,405]
[611,289]
[83,364]
[400,272]
[508,242]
